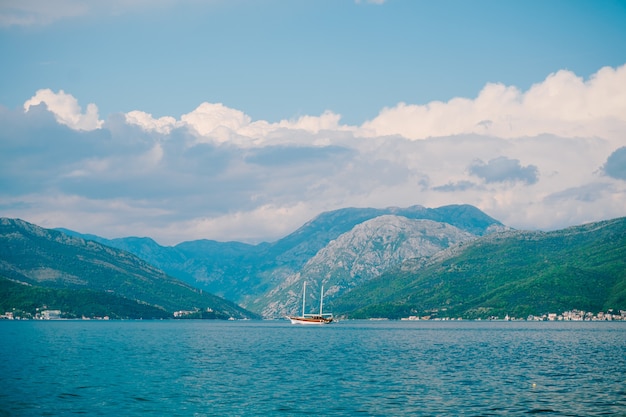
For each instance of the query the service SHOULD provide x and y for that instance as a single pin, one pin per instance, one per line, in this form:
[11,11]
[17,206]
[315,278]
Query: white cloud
[550,158]
[563,104]
[147,122]
[216,121]
[66,109]
[327,121]
[255,225]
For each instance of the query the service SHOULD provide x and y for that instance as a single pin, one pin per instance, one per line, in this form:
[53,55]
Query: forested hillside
[516,273]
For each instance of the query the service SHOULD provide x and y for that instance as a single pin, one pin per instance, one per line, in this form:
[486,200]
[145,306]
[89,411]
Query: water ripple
[352,368]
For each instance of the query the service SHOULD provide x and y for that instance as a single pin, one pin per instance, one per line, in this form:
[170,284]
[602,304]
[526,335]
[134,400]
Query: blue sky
[243,119]
[281,59]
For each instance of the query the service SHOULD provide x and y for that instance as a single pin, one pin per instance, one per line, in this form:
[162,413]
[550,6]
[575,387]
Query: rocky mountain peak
[363,253]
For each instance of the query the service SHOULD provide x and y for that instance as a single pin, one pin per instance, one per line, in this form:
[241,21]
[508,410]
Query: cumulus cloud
[66,109]
[503,169]
[563,104]
[615,165]
[147,122]
[217,123]
[216,173]
[216,120]
[327,121]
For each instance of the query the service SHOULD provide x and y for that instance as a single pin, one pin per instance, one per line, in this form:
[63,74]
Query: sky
[241,120]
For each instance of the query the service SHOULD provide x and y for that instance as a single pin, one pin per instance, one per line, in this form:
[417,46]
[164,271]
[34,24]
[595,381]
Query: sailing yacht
[321,318]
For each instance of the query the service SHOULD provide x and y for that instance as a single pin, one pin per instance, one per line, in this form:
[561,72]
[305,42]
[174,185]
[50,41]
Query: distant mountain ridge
[251,274]
[40,258]
[453,261]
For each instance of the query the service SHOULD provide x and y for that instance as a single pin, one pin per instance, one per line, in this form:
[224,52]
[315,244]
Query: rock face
[359,255]
[341,248]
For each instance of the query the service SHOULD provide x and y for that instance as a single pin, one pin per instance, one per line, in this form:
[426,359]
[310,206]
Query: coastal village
[573,315]
[578,315]
[43,315]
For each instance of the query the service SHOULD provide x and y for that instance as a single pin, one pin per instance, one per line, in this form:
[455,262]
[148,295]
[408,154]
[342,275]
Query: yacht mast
[303,297]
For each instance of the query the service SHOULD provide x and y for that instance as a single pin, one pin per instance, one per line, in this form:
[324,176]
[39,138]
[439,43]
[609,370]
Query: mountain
[447,262]
[49,263]
[250,274]
[514,272]
[359,255]
[214,266]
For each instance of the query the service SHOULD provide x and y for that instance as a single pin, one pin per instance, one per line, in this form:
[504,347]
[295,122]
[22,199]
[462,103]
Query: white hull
[310,320]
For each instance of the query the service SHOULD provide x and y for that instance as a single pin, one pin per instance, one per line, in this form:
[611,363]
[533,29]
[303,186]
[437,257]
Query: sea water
[265,368]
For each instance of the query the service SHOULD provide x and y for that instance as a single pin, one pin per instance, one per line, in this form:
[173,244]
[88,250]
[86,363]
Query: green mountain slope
[28,300]
[50,259]
[516,273]
[247,274]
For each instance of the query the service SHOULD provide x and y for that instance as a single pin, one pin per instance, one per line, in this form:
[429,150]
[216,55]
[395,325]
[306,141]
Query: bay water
[266,368]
